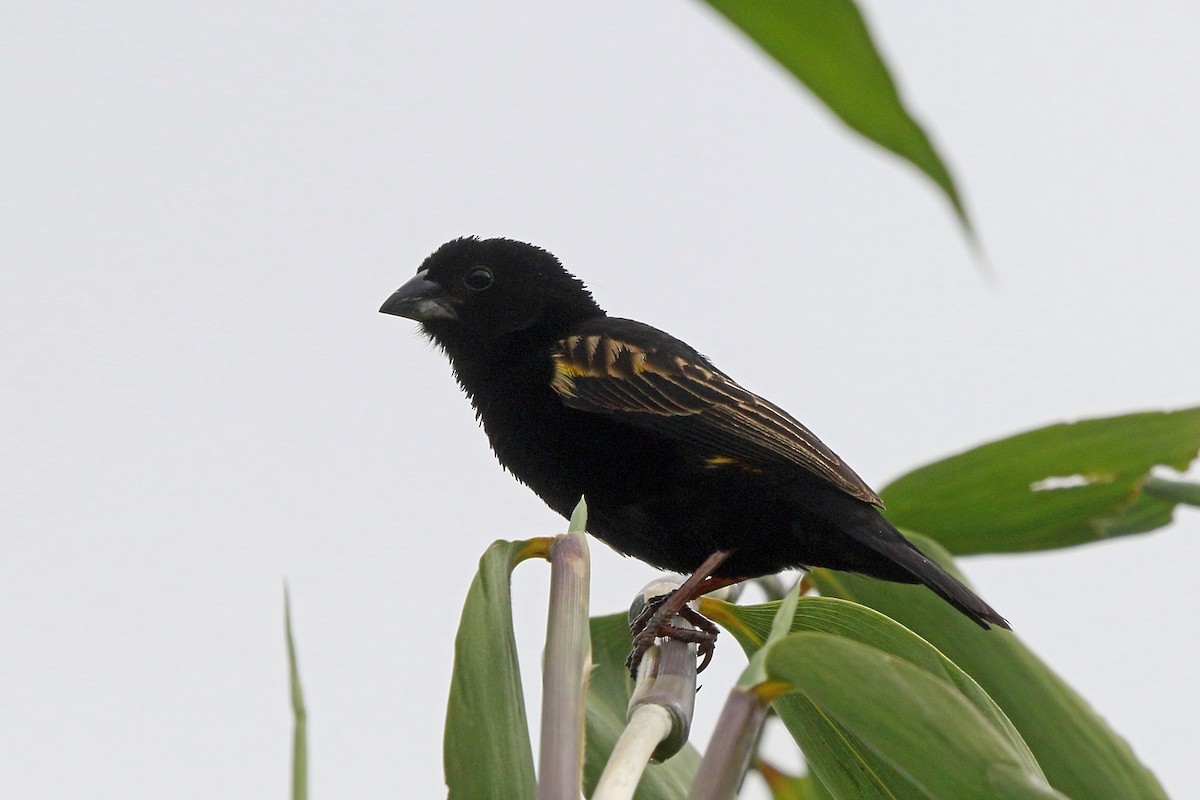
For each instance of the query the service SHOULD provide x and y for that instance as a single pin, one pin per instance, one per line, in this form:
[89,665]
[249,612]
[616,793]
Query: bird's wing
[649,379]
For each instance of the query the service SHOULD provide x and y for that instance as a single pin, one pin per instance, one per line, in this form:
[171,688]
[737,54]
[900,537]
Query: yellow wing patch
[717,462]
[565,374]
[597,356]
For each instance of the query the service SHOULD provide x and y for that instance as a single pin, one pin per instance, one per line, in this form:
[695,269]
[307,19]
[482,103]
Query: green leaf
[299,713]
[921,726]
[1081,756]
[839,758]
[608,701]
[781,625]
[1053,487]
[486,750]
[827,46]
[578,522]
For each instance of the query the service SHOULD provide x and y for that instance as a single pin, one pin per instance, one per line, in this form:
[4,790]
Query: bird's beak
[420,299]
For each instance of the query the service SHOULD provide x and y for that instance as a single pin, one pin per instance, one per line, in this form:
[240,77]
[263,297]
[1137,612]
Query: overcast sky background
[202,205]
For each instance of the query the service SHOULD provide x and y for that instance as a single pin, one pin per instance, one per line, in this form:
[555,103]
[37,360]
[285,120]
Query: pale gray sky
[203,205]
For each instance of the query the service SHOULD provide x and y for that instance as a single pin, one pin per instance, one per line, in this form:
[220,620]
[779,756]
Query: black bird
[681,466]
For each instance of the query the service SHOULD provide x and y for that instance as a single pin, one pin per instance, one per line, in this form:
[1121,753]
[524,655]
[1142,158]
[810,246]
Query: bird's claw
[657,620]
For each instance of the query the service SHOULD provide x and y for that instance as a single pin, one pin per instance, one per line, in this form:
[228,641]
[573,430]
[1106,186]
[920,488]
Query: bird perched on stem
[681,466]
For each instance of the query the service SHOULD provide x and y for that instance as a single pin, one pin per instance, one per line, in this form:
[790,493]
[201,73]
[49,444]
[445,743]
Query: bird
[681,467]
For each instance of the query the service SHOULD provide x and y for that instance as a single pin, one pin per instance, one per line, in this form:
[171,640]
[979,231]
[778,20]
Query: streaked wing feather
[655,382]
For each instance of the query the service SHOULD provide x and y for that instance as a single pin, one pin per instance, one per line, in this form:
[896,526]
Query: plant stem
[1175,491]
[648,726]
[728,754]
[568,664]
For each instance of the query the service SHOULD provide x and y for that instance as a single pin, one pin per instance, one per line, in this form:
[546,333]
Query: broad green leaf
[905,717]
[827,46]
[486,750]
[608,701]
[838,757]
[837,617]
[299,713]
[1053,487]
[1081,756]
[840,760]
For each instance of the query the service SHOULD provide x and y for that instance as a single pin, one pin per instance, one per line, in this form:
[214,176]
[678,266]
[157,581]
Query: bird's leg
[656,618]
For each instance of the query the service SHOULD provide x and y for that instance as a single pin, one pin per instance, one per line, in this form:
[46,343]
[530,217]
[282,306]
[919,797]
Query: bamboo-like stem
[1175,491]
[660,710]
[668,682]
[648,726]
[728,754]
[568,664]
[738,729]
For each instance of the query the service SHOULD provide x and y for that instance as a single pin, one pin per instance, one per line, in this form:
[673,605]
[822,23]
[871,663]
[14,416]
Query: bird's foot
[657,619]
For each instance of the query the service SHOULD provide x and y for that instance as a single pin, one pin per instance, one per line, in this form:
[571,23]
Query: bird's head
[485,288]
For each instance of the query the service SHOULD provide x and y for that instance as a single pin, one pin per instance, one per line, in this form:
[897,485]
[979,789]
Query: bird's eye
[478,279]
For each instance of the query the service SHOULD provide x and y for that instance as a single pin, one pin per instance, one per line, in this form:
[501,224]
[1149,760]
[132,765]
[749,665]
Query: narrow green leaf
[1081,756]
[827,46]
[608,701]
[578,523]
[841,760]
[1057,486]
[781,626]
[920,725]
[299,713]
[486,749]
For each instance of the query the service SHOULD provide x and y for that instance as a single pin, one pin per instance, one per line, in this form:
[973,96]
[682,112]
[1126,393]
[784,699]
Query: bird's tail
[925,570]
